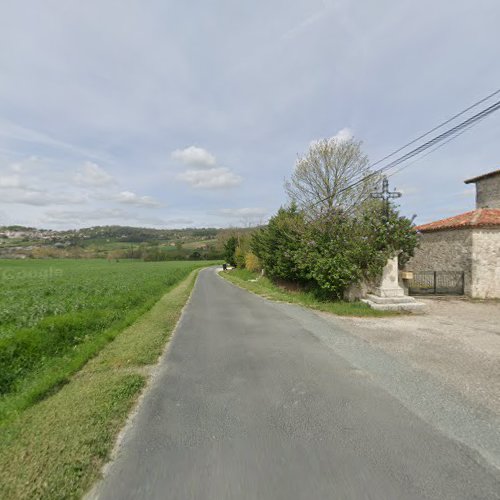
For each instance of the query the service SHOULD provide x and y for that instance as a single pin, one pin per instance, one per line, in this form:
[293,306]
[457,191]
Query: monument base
[404,303]
[389,296]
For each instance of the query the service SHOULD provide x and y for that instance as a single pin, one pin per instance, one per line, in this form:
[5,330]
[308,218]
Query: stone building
[468,243]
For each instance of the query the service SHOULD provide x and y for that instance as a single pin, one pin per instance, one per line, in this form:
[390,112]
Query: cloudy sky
[175,113]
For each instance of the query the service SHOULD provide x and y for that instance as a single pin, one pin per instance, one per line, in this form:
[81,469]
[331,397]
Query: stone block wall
[488,192]
[449,250]
[486,263]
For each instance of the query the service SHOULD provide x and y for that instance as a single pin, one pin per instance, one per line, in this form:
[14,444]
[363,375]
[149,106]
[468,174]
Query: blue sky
[176,114]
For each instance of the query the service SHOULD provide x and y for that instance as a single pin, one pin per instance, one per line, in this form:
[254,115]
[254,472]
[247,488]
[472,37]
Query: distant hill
[122,233]
[116,241]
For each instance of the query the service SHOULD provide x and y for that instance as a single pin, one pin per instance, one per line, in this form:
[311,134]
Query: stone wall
[449,250]
[486,263]
[488,192]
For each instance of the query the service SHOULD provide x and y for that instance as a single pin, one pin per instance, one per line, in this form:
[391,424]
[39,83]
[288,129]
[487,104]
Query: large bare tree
[320,178]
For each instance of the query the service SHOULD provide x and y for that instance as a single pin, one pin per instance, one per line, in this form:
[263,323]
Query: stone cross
[386,195]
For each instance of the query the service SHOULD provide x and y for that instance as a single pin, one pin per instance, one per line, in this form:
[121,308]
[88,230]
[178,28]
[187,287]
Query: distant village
[19,242]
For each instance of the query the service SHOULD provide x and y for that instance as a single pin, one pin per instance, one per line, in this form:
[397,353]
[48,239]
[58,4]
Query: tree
[277,243]
[320,177]
[230,249]
[354,248]
[328,254]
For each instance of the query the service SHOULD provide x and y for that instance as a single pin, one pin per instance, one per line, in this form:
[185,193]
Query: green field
[56,314]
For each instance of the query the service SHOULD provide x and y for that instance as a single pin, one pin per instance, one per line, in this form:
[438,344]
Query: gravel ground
[456,341]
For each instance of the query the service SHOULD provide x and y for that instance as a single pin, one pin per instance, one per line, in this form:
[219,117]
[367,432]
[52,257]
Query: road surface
[251,404]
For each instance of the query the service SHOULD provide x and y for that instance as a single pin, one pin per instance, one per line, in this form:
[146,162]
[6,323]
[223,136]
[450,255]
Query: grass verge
[57,447]
[263,286]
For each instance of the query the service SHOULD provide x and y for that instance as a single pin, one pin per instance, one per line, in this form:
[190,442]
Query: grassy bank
[56,448]
[261,285]
[56,314]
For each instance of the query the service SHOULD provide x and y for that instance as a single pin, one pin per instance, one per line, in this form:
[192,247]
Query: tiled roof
[482,217]
[483,176]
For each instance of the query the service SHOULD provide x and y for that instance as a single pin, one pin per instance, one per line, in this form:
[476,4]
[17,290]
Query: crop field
[56,314]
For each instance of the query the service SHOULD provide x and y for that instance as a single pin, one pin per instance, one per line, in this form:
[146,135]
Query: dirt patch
[457,341]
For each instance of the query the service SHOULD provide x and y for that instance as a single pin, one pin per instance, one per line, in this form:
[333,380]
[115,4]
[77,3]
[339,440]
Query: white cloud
[241,212]
[204,174]
[343,134]
[407,191]
[10,181]
[470,192]
[130,198]
[304,25]
[91,174]
[179,221]
[213,178]
[84,216]
[15,132]
[194,157]
[41,198]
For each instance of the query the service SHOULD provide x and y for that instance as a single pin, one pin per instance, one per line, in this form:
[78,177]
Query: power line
[465,124]
[437,127]
[439,146]
[421,158]
[435,140]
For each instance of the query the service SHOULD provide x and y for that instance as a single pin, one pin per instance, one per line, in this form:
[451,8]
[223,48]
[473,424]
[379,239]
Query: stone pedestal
[389,295]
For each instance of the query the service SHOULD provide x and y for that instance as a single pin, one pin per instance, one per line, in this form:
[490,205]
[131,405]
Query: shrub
[276,244]
[330,253]
[230,249]
[239,257]
[252,262]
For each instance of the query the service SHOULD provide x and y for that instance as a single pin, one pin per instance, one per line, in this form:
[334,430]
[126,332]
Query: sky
[170,114]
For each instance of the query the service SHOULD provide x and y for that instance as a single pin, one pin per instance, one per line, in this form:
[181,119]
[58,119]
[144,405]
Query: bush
[330,253]
[252,262]
[276,245]
[239,257]
[230,250]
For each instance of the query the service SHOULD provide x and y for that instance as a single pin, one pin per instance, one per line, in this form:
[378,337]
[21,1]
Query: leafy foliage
[239,257]
[332,252]
[318,184]
[277,244]
[252,262]
[230,249]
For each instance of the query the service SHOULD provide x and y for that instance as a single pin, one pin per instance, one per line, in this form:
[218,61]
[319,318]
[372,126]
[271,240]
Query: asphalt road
[251,404]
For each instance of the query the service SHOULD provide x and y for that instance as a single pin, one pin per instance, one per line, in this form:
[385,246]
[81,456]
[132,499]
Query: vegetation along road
[77,340]
[251,402]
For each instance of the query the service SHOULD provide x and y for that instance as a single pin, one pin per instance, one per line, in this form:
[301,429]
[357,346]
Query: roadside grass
[57,447]
[56,315]
[266,288]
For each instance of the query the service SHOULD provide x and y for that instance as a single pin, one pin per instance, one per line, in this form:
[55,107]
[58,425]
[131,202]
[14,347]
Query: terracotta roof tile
[482,217]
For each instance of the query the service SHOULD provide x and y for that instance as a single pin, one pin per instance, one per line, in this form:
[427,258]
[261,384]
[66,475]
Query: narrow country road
[250,404]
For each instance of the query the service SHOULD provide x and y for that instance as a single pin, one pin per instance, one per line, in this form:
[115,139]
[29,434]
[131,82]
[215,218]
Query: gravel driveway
[456,340]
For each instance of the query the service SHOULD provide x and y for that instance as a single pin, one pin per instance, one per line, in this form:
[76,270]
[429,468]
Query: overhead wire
[454,117]
[452,132]
[442,124]
[439,146]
